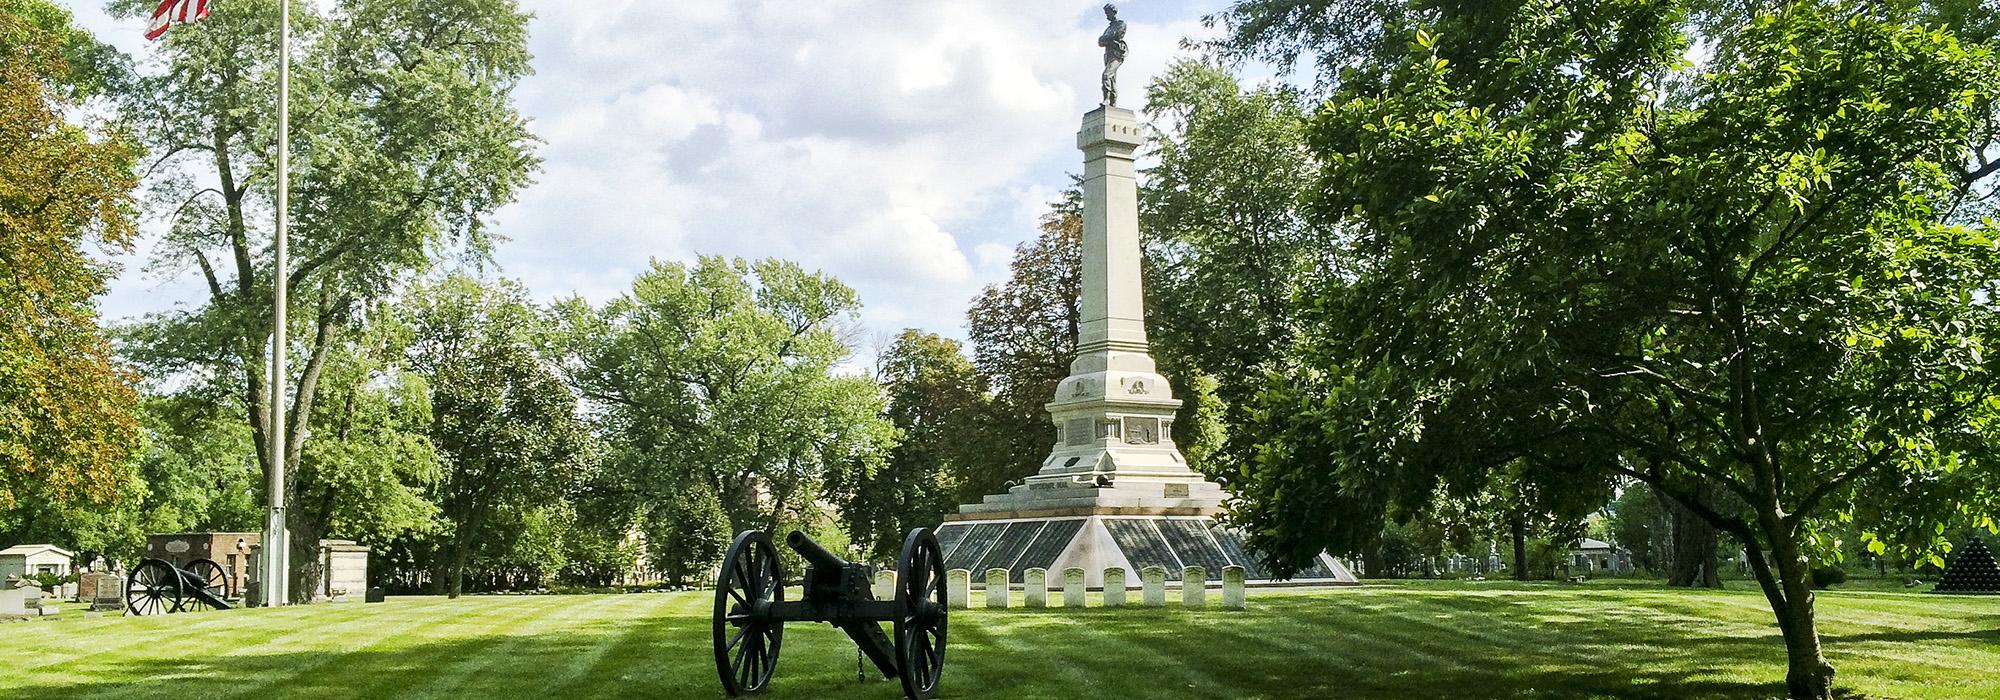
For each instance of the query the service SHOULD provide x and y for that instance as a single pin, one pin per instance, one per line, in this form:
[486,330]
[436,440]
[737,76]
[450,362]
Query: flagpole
[277,549]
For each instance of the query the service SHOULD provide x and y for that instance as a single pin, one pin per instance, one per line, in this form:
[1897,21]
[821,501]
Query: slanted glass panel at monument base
[1131,543]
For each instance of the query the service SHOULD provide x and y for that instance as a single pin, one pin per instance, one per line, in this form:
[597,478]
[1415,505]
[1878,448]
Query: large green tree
[68,430]
[938,402]
[1582,256]
[404,138]
[1023,335]
[723,376]
[504,423]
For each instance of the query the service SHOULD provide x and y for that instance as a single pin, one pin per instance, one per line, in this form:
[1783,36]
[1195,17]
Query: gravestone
[102,590]
[1037,588]
[1114,587]
[996,589]
[958,588]
[13,601]
[1232,588]
[1972,570]
[1073,587]
[1194,587]
[377,595]
[1154,582]
[885,585]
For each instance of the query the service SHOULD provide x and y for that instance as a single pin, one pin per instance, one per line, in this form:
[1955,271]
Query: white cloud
[878,141]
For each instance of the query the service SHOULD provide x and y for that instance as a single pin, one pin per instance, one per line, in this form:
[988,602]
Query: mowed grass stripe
[394,648]
[623,633]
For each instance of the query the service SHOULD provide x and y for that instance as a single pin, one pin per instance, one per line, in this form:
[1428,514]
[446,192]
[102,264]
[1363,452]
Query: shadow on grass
[1368,647]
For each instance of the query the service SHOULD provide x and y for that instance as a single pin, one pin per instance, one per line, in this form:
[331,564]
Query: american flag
[172,12]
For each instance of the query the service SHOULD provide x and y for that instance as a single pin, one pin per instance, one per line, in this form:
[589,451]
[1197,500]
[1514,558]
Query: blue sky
[904,146]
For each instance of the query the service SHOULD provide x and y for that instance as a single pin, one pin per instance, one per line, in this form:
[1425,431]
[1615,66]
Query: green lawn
[1432,642]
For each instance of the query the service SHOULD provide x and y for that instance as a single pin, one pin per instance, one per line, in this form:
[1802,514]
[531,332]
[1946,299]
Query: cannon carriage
[751,610]
[156,587]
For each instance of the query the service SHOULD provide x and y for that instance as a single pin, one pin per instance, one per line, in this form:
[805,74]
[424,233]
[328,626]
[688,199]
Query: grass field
[1489,640]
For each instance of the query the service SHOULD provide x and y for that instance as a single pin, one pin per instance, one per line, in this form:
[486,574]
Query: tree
[1753,276]
[369,467]
[937,401]
[1228,241]
[68,429]
[404,139]
[1023,335]
[687,534]
[722,375]
[505,424]
[198,469]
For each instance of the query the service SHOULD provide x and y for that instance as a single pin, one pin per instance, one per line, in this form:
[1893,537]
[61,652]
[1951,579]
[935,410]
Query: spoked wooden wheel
[920,630]
[746,637]
[214,578]
[154,588]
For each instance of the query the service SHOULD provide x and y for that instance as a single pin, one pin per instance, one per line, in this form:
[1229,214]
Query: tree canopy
[68,428]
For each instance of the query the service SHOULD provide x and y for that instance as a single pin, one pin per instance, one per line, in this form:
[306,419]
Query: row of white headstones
[1153,588]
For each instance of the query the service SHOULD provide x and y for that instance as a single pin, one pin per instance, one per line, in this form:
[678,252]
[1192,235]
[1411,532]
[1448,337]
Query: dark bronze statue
[1113,41]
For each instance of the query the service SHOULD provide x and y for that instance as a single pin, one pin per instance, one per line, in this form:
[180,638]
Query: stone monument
[1114,491]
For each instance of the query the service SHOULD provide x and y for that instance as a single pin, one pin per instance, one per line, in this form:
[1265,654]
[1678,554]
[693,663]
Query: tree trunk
[454,583]
[1518,526]
[1692,564]
[1808,676]
[1373,564]
[306,574]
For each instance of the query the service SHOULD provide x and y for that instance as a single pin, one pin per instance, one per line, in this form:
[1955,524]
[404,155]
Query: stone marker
[376,595]
[958,588]
[1037,588]
[1232,587]
[996,589]
[1073,587]
[885,585]
[1194,587]
[102,590]
[1154,582]
[1114,587]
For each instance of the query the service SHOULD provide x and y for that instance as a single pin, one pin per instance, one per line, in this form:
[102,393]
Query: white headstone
[958,588]
[1232,587]
[13,601]
[885,585]
[996,588]
[1114,587]
[1154,582]
[1194,587]
[1073,587]
[1037,588]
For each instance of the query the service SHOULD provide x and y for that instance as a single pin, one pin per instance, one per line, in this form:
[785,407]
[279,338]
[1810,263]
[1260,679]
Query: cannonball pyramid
[1972,571]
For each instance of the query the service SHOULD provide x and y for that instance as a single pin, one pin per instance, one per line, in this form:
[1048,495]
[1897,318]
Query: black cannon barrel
[815,554]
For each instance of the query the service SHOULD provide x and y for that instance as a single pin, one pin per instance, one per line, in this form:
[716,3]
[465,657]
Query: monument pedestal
[1115,491]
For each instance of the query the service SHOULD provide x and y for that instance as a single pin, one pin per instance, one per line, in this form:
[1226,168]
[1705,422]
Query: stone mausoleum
[1114,491]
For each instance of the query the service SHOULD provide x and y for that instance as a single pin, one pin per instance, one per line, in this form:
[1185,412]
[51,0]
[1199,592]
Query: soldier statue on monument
[1113,41]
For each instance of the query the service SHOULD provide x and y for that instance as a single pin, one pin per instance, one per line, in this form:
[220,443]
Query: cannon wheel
[153,588]
[214,578]
[920,629]
[746,639]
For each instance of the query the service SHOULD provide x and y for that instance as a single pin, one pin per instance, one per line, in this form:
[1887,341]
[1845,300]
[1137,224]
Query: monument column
[1114,312]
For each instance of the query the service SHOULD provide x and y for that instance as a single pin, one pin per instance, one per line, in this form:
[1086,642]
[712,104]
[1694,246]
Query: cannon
[751,610]
[156,587]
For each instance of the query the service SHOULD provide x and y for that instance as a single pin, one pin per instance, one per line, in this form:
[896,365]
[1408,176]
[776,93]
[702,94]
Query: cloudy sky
[904,146]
